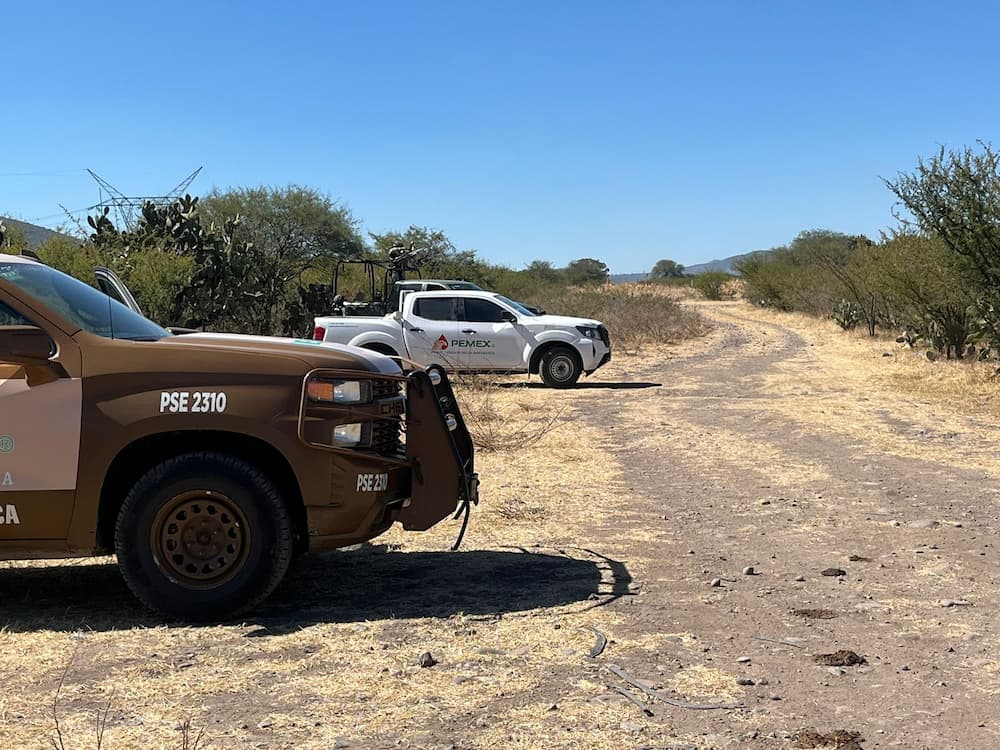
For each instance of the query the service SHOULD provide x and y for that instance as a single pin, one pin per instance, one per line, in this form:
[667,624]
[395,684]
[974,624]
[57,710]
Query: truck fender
[146,449]
[377,340]
[557,339]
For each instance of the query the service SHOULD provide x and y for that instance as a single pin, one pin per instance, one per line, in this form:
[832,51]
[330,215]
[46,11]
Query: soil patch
[815,614]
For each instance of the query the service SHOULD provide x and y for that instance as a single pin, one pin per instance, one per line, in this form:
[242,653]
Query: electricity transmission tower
[126,208]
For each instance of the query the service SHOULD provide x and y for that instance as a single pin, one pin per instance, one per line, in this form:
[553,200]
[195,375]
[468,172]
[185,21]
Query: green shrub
[711,283]
[925,287]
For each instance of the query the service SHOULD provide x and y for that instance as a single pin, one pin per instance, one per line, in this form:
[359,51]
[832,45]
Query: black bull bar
[439,449]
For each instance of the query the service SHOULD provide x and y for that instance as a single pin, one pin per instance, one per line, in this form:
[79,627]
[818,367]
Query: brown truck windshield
[89,308]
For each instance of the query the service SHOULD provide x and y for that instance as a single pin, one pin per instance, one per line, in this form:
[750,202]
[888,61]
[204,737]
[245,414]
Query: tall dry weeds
[636,314]
[497,422]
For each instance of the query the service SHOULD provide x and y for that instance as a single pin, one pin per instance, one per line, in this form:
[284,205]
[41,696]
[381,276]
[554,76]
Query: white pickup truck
[476,331]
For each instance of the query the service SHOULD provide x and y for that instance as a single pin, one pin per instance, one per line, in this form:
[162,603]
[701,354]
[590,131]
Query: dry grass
[637,315]
[882,363]
[500,420]
[335,652]
[701,682]
[942,411]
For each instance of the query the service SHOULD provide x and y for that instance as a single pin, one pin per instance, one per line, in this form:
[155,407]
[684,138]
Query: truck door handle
[416,330]
[467,330]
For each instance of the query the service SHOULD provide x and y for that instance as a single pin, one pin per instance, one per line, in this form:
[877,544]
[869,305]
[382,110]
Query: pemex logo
[440,345]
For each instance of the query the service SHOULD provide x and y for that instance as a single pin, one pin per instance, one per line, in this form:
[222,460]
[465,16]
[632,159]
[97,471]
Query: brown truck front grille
[385,389]
[386,432]
[385,438]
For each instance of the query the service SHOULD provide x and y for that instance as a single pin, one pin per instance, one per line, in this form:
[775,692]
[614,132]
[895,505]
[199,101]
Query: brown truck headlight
[352,435]
[340,391]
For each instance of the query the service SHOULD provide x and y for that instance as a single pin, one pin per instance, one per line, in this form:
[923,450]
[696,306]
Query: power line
[39,174]
[62,213]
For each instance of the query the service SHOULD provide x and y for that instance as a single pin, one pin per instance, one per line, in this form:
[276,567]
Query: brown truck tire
[203,536]
[560,367]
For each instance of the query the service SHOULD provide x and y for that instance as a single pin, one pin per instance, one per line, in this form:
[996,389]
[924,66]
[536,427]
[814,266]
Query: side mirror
[25,345]
[508,317]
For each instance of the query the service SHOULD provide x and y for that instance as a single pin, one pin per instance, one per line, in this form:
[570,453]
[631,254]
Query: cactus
[847,315]
[225,287]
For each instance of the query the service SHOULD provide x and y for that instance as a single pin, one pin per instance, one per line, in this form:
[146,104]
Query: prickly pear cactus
[846,314]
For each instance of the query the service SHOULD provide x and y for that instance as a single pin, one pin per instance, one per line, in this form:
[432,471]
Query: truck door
[430,330]
[39,444]
[109,283]
[486,340]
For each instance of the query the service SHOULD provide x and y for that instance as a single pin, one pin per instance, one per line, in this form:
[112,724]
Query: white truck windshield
[516,305]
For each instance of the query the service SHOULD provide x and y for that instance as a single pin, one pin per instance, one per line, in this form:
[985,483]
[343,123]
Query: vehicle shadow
[584,386]
[357,586]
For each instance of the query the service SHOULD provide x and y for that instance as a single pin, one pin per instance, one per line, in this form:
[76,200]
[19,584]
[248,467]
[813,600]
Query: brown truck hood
[313,353]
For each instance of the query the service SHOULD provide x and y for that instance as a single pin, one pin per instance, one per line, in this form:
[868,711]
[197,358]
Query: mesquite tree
[955,196]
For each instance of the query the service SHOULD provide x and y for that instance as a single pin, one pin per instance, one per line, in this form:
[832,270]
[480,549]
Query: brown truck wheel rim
[200,538]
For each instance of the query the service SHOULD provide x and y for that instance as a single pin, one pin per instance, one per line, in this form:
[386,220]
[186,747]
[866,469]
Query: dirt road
[775,444]
[787,450]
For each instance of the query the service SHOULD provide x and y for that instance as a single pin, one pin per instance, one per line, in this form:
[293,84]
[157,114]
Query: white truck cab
[476,331]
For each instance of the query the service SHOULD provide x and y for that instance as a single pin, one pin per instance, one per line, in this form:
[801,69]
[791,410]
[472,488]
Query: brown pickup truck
[206,461]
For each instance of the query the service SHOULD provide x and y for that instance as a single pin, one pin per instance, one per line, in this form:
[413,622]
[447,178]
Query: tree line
[932,279]
[261,260]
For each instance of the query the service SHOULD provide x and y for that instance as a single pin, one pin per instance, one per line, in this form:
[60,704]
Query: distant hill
[36,235]
[725,265]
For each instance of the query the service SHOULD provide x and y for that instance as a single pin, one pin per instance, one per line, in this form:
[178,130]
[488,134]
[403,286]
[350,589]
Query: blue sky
[628,132]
